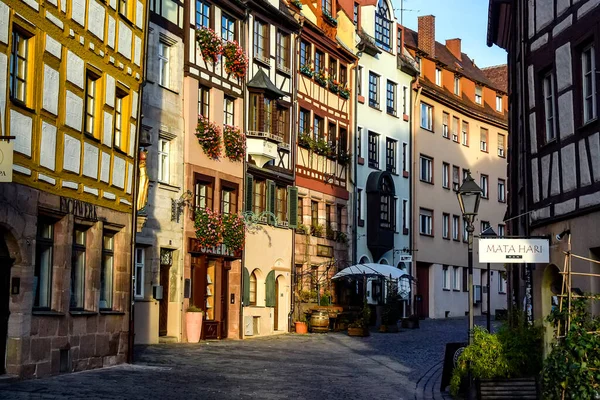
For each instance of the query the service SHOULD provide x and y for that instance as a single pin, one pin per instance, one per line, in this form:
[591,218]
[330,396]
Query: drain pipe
[355,167]
[413,144]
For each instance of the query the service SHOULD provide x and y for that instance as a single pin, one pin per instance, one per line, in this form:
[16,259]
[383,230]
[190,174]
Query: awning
[372,270]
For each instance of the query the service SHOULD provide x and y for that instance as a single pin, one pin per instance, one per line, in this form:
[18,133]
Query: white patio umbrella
[371,270]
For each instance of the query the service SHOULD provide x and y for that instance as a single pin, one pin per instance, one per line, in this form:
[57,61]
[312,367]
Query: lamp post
[469,196]
[489,233]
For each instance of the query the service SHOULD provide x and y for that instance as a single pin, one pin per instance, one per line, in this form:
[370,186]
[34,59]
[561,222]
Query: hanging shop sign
[514,251]
[405,258]
[6,160]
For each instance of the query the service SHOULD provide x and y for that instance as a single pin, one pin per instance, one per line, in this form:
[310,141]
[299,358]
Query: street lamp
[469,196]
[488,233]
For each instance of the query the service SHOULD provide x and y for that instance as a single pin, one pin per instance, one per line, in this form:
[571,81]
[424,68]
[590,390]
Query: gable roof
[498,75]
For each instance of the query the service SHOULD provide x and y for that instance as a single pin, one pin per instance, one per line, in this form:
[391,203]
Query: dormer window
[457,85]
[382,26]
[478,95]
[438,77]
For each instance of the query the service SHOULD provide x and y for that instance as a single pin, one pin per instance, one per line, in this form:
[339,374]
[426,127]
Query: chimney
[453,45]
[426,32]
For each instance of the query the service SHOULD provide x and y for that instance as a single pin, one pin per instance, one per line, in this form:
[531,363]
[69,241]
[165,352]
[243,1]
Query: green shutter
[246,284]
[271,296]
[271,193]
[249,193]
[292,196]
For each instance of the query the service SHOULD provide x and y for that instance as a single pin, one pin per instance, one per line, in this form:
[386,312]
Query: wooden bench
[505,389]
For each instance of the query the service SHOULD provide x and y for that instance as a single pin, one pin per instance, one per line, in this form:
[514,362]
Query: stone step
[168,339]
[8,379]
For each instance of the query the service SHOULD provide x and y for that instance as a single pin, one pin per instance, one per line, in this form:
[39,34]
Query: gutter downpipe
[136,177]
[413,144]
[355,168]
[411,131]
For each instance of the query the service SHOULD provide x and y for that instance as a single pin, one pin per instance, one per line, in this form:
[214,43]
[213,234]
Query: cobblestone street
[405,365]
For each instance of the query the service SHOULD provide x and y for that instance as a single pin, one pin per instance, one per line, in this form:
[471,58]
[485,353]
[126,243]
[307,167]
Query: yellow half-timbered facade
[70,82]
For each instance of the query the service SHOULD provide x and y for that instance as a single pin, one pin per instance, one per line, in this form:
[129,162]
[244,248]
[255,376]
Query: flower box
[329,18]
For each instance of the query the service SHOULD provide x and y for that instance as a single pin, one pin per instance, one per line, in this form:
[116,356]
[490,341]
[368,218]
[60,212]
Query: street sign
[6,160]
[404,258]
[514,251]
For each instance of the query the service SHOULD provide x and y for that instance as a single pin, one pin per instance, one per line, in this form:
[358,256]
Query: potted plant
[317,230]
[193,323]
[341,237]
[302,229]
[360,327]
[391,313]
[301,325]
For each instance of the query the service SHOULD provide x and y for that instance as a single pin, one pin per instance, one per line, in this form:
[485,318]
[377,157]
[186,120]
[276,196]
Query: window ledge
[446,238]
[116,148]
[265,61]
[445,290]
[284,70]
[426,234]
[168,89]
[456,290]
[82,313]
[428,182]
[361,99]
[47,313]
[361,161]
[169,187]
[501,292]
[427,129]
[21,105]
[111,312]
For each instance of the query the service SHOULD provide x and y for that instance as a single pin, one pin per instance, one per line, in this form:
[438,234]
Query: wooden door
[224,299]
[163,307]
[5,265]
[276,310]
[422,297]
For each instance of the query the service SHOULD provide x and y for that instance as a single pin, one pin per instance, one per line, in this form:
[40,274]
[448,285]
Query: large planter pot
[358,332]
[301,328]
[193,325]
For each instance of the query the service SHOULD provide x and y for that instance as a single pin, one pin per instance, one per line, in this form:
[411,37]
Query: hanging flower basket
[235,143]
[209,227]
[211,45]
[236,62]
[209,137]
[233,231]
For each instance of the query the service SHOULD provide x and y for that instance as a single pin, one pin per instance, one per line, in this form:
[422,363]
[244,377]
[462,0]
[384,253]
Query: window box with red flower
[320,78]
[209,227]
[236,62]
[211,45]
[333,85]
[209,137]
[235,143]
[344,92]
[307,70]
[234,230]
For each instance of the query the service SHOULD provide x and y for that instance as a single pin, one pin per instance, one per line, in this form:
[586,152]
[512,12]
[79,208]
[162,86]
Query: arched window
[386,205]
[364,260]
[382,26]
[383,261]
[253,289]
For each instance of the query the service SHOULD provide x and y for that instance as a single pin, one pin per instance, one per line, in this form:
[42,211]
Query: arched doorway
[551,289]
[5,264]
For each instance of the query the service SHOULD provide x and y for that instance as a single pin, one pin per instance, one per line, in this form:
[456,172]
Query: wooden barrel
[319,321]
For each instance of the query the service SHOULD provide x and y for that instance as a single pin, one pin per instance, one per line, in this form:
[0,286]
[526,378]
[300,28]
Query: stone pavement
[405,365]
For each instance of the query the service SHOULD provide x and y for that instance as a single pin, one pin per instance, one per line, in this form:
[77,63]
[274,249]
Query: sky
[464,19]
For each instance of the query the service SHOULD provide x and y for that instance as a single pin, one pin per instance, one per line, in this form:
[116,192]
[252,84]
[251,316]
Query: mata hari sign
[515,251]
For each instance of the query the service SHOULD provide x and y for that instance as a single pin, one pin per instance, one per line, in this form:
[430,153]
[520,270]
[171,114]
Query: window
[90,104]
[281,204]
[391,98]
[260,197]
[501,143]
[326,6]
[457,85]
[343,141]
[387,216]
[331,134]
[455,124]
[373,90]
[382,26]
[339,215]
[123,8]
[465,233]
[261,40]
[267,115]
[464,174]
[483,138]
[446,226]
[228,200]
[484,226]
[438,77]
[418,60]
[228,110]
[455,227]
[425,222]
[283,51]
[300,211]
[445,118]
[304,54]
[455,178]
[203,101]
[465,133]
[548,89]
[588,73]
[501,284]
[465,279]
[404,90]
[78,269]
[404,156]
[106,272]
[202,14]
[163,160]
[373,150]
[328,225]
[446,175]
[319,128]
[445,278]
[343,75]
[333,68]
[426,116]
[163,64]
[253,285]
[314,213]
[227,27]
[43,265]
[501,230]
[356,11]
[478,95]
[19,63]
[171,10]
[359,141]
[426,169]
[456,278]
[139,273]
[203,194]
[499,103]
[118,136]
[405,216]
[390,155]
[359,80]
[304,122]
[359,205]
[319,61]
[484,186]
[501,191]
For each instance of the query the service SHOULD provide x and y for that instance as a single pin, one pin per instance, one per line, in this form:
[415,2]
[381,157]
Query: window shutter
[270,295]
[249,193]
[271,192]
[246,284]
[292,209]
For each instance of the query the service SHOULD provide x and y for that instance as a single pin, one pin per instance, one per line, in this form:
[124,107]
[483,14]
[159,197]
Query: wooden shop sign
[79,209]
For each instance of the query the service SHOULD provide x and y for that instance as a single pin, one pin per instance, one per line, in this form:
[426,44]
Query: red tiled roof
[498,75]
